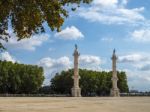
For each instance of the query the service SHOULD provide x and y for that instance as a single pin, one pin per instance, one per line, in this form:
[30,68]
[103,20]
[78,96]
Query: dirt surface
[70,104]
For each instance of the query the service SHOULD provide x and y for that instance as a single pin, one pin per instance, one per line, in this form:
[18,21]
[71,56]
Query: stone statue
[76,47]
[114,52]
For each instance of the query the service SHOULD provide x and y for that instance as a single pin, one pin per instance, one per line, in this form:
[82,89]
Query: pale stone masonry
[114,91]
[76,91]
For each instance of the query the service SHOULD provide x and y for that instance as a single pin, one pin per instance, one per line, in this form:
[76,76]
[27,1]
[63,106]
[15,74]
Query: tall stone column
[76,91]
[114,91]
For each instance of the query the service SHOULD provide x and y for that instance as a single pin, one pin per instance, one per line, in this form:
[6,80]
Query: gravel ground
[70,104]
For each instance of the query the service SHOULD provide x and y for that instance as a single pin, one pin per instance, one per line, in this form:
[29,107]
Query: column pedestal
[76,92]
[115,92]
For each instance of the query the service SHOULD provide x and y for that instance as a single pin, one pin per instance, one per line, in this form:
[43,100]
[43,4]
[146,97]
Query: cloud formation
[145,67]
[29,44]
[5,56]
[105,2]
[69,33]
[132,58]
[112,12]
[138,70]
[140,61]
[138,80]
[52,66]
[90,62]
[141,35]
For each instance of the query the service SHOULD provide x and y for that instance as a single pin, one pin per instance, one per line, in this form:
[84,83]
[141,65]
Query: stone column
[76,91]
[114,91]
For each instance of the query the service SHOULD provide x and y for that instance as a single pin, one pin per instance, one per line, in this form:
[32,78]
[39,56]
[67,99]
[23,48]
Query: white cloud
[69,33]
[132,58]
[52,66]
[26,44]
[63,62]
[138,80]
[5,56]
[112,12]
[139,61]
[145,67]
[141,35]
[90,62]
[105,2]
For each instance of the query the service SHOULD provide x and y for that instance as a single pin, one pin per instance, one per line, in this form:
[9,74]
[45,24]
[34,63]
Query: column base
[76,92]
[115,93]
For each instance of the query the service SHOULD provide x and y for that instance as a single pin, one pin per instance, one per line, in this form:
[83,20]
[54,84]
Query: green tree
[91,82]
[20,78]
[45,90]
[61,84]
[122,82]
[27,16]
[87,82]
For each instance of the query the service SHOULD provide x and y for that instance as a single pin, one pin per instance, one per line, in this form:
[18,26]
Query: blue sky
[97,29]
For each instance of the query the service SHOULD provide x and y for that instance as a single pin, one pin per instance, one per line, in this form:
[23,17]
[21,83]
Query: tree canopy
[19,78]
[27,16]
[91,82]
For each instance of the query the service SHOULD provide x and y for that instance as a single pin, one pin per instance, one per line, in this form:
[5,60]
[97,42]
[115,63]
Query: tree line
[20,78]
[28,79]
[92,83]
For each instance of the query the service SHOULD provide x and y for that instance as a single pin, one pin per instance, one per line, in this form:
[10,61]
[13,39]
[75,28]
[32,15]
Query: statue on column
[76,91]
[114,90]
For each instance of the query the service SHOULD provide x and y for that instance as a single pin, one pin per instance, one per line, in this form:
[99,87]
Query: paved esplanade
[114,91]
[76,91]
